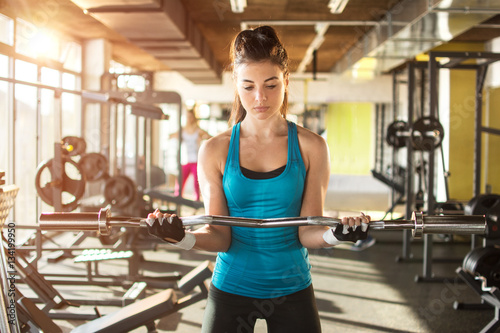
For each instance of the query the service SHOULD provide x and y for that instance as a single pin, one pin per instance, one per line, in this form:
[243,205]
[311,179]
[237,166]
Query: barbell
[420,224]
[426,133]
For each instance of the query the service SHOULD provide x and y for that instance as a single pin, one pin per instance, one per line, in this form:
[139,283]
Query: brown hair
[257,45]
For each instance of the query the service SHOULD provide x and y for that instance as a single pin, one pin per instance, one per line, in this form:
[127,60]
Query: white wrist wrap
[187,242]
[330,238]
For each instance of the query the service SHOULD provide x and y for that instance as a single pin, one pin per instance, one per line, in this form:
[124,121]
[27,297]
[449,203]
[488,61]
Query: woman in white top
[192,136]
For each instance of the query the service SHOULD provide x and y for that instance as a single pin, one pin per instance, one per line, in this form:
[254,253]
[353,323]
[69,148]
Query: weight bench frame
[147,310]
[490,297]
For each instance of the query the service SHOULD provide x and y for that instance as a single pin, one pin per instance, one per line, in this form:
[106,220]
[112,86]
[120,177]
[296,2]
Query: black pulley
[71,185]
[426,133]
[394,131]
[73,146]
[484,262]
[94,165]
[120,191]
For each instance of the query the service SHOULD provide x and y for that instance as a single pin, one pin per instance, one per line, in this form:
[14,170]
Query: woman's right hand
[167,227]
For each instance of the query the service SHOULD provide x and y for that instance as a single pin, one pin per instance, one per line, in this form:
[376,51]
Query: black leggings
[229,313]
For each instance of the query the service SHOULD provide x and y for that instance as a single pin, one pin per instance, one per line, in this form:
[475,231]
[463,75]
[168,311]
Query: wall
[492,119]
[492,142]
[349,136]
[462,91]
[328,88]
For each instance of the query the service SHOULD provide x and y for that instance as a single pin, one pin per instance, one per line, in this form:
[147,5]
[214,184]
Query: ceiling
[193,36]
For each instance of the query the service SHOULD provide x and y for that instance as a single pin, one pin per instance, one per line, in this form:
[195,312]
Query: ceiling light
[337,6]
[320,29]
[238,6]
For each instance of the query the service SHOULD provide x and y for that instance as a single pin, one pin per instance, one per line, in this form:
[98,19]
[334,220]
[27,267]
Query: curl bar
[102,222]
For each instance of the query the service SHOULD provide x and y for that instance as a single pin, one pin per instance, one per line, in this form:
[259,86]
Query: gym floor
[367,291]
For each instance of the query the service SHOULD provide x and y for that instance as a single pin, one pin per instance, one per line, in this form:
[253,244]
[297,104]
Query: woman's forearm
[212,238]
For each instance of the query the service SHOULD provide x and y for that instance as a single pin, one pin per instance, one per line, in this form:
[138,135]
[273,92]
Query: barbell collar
[418,222]
[103,217]
[102,222]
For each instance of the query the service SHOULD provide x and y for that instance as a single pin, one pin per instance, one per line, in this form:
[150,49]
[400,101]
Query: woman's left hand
[351,229]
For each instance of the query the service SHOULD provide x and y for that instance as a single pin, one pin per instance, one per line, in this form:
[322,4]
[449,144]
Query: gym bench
[147,310]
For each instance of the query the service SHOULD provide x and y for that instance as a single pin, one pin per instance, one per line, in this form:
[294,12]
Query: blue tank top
[263,262]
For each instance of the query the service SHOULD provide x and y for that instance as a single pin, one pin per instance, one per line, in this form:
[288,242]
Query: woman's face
[261,87]
[191,119]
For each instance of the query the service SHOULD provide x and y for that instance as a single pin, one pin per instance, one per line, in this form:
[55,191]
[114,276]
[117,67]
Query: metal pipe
[102,222]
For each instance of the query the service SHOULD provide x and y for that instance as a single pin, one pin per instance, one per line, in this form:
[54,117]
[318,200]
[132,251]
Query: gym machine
[423,135]
[61,182]
[457,60]
[64,174]
[143,106]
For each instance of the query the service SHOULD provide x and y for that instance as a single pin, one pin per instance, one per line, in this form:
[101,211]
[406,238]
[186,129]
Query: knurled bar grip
[102,222]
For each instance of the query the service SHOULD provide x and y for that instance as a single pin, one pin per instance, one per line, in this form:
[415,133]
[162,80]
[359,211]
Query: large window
[4,115]
[40,103]
[6,30]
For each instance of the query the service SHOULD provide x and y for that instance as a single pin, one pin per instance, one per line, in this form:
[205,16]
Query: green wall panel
[349,136]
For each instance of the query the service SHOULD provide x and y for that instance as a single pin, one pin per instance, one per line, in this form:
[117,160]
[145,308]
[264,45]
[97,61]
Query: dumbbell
[102,222]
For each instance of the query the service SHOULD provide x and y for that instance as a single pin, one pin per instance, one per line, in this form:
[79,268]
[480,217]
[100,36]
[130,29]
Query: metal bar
[382,123]
[409,188]
[490,130]
[379,129]
[102,222]
[478,135]
[433,100]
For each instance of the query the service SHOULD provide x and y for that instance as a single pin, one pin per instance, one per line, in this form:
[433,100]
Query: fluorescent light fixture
[238,6]
[337,6]
[321,29]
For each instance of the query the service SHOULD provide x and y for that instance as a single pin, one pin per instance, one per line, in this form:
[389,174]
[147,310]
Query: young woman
[192,136]
[263,167]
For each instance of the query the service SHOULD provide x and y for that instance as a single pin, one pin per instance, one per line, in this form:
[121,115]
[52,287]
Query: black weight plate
[470,261]
[72,184]
[481,204]
[120,191]
[394,136]
[420,134]
[94,165]
[484,262]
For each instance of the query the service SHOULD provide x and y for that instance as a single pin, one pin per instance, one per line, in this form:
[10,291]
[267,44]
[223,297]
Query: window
[6,30]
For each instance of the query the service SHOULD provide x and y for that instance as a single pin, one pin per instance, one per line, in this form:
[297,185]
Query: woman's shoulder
[309,139]
[218,143]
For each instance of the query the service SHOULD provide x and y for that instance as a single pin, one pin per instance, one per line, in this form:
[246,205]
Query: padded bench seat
[134,315]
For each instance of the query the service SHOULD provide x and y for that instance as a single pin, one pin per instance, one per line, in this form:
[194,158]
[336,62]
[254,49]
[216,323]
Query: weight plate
[395,134]
[72,184]
[426,134]
[94,166]
[120,190]
[73,145]
[484,262]
[481,204]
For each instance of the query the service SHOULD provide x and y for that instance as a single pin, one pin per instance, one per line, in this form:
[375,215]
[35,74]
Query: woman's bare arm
[211,160]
